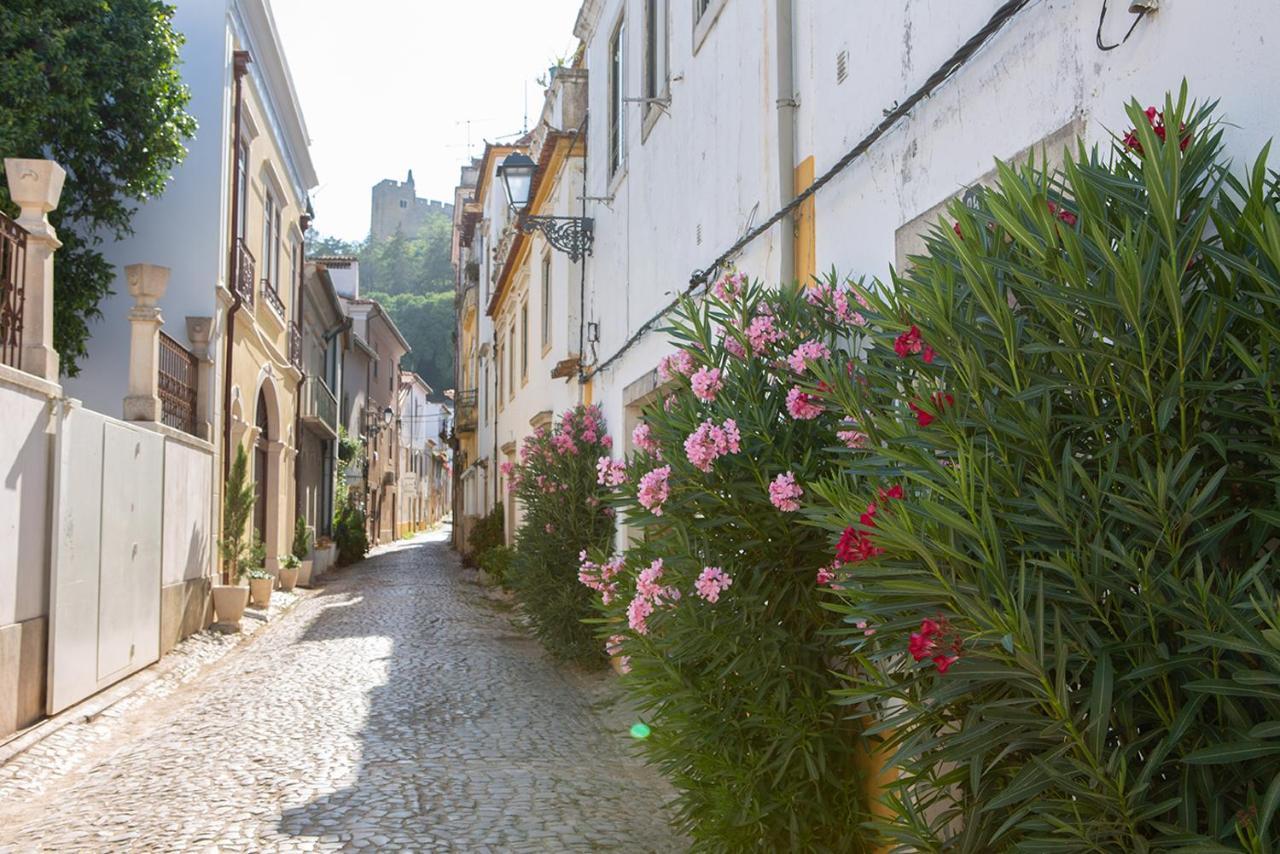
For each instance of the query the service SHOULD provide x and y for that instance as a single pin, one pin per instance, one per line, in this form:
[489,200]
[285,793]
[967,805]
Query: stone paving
[397,709]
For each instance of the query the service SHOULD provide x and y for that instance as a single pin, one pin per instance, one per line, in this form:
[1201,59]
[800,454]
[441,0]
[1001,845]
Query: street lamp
[572,235]
[387,415]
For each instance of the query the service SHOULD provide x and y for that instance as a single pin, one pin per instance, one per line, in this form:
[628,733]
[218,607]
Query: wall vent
[842,66]
[698,234]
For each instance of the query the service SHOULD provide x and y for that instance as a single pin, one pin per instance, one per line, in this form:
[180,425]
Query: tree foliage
[412,277]
[95,86]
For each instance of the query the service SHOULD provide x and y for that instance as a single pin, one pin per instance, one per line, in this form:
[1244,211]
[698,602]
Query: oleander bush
[1058,578]
[487,534]
[715,611]
[561,514]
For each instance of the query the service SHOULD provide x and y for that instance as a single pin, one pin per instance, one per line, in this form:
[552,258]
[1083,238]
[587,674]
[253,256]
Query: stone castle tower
[396,206]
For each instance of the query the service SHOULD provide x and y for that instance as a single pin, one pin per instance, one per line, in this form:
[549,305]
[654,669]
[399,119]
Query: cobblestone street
[396,708]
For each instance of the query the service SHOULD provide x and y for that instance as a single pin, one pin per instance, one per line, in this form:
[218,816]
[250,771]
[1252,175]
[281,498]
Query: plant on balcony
[1065,617]
[236,546]
[716,610]
[561,513]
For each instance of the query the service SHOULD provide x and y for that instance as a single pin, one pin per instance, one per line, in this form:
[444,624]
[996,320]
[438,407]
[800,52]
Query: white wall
[25,447]
[713,158]
[188,548]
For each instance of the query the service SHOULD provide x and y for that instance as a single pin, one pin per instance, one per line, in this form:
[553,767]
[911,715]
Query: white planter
[304,573]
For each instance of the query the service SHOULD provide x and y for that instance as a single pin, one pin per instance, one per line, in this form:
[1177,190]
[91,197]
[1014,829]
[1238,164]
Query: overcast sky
[388,85]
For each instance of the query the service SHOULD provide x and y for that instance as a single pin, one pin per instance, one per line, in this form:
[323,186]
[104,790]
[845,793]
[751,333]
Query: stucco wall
[25,447]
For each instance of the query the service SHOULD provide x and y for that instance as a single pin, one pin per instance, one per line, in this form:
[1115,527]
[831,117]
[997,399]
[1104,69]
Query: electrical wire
[953,63]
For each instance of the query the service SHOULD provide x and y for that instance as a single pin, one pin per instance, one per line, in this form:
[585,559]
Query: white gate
[104,597]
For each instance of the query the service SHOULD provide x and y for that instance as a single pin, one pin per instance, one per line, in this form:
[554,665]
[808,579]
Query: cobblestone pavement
[399,708]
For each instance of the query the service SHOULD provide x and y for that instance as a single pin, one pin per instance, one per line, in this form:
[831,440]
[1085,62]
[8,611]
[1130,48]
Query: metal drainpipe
[240,64]
[786,105]
[299,305]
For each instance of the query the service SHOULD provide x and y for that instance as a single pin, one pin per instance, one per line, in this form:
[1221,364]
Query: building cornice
[270,76]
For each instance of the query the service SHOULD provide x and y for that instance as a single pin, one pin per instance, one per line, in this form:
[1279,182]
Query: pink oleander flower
[733,346]
[680,362]
[647,581]
[563,442]
[867,632]
[708,442]
[852,438]
[654,490]
[827,574]
[506,469]
[549,528]
[638,613]
[624,664]
[614,645]
[712,581]
[809,351]
[785,493]
[610,472]
[802,406]
[706,384]
[606,442]
[642,438]
[762,333]
[729,287]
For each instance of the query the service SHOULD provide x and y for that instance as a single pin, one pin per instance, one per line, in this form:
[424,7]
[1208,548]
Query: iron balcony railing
[464,416]
[319,407]
[272,298]
[295,344]
[13,270]
[243,276]
[177,379]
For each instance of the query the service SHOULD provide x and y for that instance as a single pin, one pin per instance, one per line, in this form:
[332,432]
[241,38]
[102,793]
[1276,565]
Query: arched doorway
[261,468]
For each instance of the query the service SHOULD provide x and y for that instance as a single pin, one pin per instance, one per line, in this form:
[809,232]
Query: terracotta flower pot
[287,578]
[260,591]
[304,573]
[228,604]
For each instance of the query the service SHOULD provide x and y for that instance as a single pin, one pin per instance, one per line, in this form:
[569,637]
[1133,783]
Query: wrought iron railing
[464,410]
[13,267]
[272,298]
[295,344]
[243,275]
[177,375]
[319,405]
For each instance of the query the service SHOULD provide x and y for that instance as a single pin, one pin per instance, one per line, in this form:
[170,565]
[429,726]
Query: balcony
[272,298]
[464,418]
[242,278]
[295,344]
[319,408]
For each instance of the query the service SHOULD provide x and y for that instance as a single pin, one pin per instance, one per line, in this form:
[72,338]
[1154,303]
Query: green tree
[426,322]
[95,86]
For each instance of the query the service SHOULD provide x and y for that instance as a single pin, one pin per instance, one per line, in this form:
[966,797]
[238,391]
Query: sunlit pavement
[398,708]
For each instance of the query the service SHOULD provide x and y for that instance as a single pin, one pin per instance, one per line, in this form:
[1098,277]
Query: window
[524,341]
[501,394]
[270,240]
[546,301]
[655,50]
[511,363]
[616,123]
[700,9]
[705,13]
[403,203]
[242,189]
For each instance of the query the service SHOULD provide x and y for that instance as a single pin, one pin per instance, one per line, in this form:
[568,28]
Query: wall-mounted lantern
[572,235]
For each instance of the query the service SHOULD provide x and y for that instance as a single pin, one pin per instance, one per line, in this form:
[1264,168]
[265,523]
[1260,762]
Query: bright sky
[388,85]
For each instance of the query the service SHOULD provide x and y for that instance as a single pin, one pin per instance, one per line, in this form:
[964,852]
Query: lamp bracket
[572,235]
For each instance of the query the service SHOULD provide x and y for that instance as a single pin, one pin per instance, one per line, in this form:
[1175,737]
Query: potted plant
[230,597]
[260,581]
[288,574]
[301,552]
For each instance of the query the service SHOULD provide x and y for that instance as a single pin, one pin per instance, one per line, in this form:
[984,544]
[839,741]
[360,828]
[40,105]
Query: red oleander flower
[908,343]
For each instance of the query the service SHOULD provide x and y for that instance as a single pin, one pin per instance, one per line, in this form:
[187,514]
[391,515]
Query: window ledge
[703,25]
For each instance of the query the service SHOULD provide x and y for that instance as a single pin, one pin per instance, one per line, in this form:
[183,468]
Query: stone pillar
[147,284]
[198,331]
[35,187]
